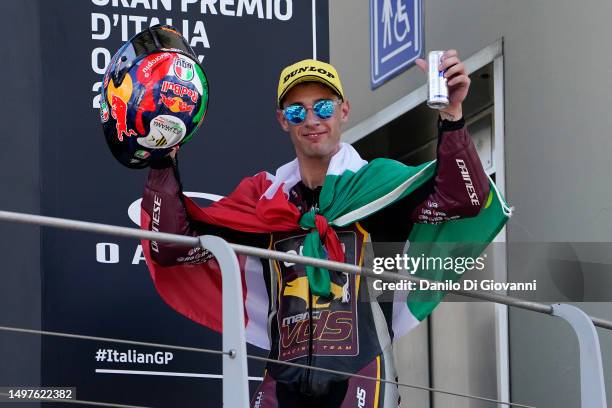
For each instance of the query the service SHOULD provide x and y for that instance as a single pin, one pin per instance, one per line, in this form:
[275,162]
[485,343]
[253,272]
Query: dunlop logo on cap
[302,70]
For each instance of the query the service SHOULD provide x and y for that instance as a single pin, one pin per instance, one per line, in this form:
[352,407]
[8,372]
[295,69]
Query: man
[315,317]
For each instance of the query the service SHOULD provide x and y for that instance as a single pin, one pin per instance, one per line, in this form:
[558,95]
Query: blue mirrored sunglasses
[324,109]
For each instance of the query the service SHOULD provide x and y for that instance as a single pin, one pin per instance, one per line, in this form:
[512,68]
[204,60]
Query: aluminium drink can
[437,96]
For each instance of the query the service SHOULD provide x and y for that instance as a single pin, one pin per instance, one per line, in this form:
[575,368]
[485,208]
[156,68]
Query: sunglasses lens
[295,114]
[324,108]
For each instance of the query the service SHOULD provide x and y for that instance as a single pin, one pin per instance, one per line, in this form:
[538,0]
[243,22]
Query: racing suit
[340,332]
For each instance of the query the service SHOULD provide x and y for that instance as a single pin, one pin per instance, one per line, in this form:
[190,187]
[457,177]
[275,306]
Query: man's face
[314,138]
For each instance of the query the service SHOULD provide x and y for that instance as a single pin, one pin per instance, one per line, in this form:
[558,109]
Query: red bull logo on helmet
[180,90]
[176,104]
[119,113]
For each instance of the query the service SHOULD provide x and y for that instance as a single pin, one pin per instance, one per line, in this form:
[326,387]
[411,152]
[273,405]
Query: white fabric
[288,175]
[256,304]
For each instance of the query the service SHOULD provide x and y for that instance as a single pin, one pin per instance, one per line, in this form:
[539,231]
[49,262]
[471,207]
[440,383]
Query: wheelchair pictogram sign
[396,32]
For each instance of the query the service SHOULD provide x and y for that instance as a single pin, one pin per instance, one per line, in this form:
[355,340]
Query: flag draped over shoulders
[353,189]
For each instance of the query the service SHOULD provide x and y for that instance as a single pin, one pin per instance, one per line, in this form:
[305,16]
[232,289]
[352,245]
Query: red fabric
[329,238]
[192,290]
[244,210]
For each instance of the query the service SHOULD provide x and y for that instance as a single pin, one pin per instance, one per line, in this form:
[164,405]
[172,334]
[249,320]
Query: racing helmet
[154,96]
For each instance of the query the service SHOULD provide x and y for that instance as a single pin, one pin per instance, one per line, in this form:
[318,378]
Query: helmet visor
[159,38]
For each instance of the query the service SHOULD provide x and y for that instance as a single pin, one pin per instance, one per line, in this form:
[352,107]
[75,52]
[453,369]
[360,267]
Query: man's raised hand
[458,83]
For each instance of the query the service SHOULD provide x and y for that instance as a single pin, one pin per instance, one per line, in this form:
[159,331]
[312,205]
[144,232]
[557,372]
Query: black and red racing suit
[340,332]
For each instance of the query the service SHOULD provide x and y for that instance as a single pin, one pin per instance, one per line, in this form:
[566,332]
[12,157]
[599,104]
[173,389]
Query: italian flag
[353,189]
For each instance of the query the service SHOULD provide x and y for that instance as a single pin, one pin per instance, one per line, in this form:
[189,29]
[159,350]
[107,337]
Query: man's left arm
[461,186]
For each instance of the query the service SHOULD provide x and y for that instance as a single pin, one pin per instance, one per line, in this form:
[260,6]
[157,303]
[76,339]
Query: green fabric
[466,237]
[318,278]
[356,195]
[352,191]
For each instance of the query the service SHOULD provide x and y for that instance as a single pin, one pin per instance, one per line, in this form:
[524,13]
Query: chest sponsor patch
[329,324]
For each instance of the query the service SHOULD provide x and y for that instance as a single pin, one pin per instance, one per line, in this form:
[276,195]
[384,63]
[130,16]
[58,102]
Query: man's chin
[319,152]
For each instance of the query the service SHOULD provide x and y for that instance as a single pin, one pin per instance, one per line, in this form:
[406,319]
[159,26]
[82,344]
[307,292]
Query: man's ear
[282,121]
[345,109]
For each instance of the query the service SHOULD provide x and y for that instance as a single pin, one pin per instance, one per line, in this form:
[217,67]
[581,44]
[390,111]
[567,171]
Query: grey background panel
[20,183]
[557,149]
[463,342]
[412,361]
[557,166]
[543,361]
[557,125]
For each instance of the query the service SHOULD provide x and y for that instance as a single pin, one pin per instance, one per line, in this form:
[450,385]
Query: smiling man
[315,139]
[328,203]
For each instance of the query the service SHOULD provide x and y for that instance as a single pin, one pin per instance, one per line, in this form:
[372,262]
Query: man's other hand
[458,83]
[173,152]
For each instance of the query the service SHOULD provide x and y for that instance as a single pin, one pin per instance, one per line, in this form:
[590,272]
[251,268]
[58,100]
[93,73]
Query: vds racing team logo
[328,324]
[333,333]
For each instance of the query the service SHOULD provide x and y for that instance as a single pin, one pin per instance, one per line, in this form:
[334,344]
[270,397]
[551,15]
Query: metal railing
[235,373]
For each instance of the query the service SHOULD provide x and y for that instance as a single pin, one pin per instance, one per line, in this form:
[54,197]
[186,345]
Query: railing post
[592,386]
[235,368]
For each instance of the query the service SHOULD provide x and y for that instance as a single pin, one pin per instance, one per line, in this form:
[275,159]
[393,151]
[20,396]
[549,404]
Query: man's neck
[313,171]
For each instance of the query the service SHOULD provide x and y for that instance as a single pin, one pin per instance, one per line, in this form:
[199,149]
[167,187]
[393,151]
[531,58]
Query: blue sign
[396,35]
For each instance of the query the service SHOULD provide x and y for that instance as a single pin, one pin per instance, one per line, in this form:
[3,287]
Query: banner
[99,285]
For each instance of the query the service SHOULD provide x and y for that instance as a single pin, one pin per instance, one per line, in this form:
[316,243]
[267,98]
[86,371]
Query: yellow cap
[308,70]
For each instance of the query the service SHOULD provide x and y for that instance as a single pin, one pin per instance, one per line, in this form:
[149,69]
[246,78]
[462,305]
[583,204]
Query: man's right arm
[163,202]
